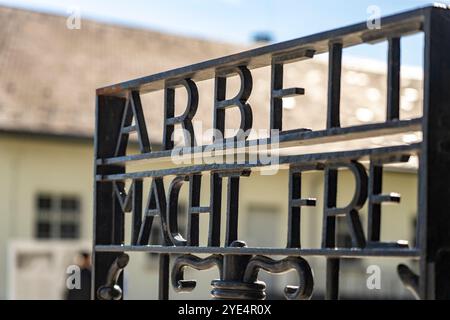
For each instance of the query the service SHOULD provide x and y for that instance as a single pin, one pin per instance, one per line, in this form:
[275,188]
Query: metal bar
[198,210]
[334,85]
[294,218]
[288,93]
[169,113]
[164,274]
[391,197]
[129,129]
[332,278]
[411,22]
[232,210]
[195,182]
[286,140]
[303,202]
[327,252]
[393,78]
[216,210]
[374,208]
[434,201]
[106,225]
[141,128]
[137,211]
[329,234]
[300,159]
[276,103]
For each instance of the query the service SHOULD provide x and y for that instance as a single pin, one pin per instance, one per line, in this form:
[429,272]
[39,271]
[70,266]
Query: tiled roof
[48,77]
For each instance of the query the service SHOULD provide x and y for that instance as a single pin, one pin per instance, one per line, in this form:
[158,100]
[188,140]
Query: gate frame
[433,249]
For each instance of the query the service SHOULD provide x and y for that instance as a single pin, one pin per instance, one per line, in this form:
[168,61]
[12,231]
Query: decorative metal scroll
[119,191]
[239,275]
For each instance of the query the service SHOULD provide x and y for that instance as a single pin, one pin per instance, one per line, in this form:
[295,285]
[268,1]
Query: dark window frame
[58,216]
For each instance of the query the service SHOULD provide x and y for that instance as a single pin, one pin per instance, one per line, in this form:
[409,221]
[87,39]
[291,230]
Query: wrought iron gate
[119,105]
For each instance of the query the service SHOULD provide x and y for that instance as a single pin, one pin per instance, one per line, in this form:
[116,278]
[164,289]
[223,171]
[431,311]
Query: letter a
[132,109]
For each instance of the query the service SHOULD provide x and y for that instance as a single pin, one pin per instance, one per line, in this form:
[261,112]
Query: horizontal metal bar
[288,93]
[129,129]
[382,198]
[399,24]
[338,253]
[309,202]
[201,210]
[152,212]
[289,139]
[296,159]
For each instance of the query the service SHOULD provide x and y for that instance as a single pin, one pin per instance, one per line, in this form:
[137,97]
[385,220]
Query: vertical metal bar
[329,234]
[374,214]
[421,223]
[215,207]
[276,103]
[163,284]
[294,240]
[232,210]
[108,228]
[137,211]
[393,78]
[332,279]
[220,94]
[195,181]
[126,120]
[333,121]
[169,112]
[334,85]
[141,128]
[434,172]
[118,222]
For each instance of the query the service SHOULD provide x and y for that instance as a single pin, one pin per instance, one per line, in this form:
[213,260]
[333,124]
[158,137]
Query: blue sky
[237,20]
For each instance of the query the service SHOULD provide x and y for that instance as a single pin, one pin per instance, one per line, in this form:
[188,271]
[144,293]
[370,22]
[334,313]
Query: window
[58,217]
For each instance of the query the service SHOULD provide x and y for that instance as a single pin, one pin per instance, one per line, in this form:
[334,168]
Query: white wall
[31,166]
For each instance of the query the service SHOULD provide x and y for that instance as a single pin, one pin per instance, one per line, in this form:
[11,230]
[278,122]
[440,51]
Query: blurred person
[84,292]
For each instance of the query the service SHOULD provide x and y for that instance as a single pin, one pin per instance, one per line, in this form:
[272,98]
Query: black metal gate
[119,113]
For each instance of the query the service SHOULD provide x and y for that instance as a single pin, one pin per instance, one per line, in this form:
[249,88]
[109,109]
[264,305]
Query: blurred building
[48,77]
